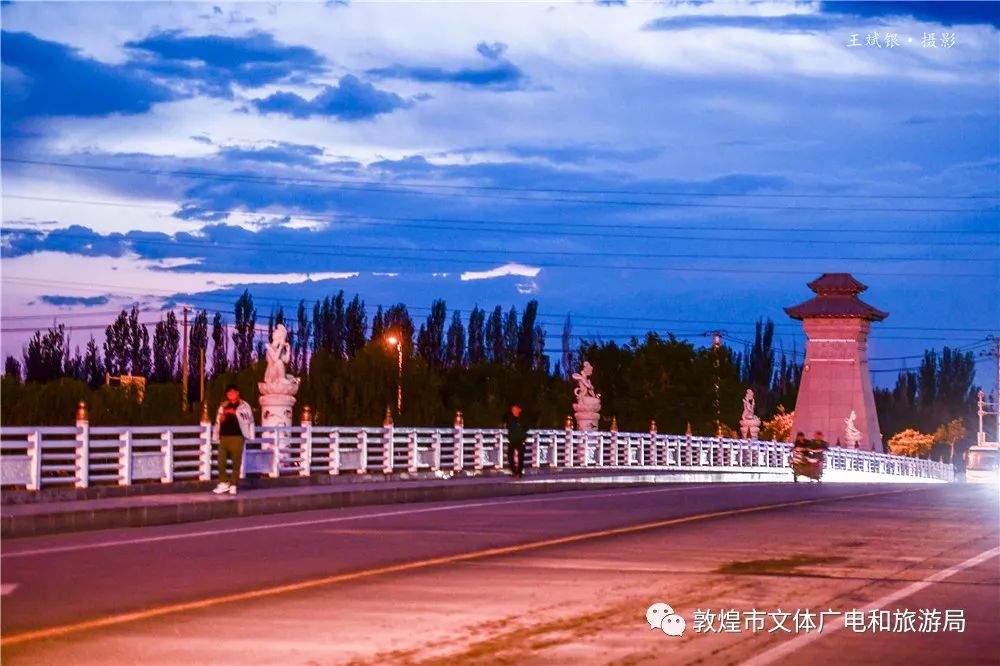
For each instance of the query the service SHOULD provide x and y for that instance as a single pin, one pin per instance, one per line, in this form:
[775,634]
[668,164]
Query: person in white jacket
[233,426]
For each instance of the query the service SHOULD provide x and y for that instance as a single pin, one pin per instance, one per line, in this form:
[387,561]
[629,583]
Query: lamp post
[398,344]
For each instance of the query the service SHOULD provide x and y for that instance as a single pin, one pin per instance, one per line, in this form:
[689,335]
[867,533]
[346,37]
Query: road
[564,578]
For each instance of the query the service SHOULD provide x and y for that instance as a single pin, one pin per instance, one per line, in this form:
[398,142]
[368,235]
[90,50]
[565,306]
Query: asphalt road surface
[563,578]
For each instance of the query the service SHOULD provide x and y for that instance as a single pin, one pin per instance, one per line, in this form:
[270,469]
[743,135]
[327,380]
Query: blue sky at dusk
[673,166]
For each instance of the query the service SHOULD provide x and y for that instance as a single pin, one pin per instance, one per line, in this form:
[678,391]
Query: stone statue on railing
[852,436]
[587,407]
[749,422]
[277,391]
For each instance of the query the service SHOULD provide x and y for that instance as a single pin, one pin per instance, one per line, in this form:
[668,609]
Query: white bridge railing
[83,456]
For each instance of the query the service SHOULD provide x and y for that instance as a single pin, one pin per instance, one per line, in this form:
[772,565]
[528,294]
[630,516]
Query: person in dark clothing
[516,436]
[233,426]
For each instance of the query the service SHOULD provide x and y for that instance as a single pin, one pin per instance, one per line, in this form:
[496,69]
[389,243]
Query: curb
[81,519]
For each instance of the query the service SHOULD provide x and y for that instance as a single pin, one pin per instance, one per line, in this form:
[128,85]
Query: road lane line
[123,618]
[627,492]
[799,642]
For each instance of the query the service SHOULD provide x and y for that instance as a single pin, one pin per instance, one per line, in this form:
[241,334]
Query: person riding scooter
[807,456]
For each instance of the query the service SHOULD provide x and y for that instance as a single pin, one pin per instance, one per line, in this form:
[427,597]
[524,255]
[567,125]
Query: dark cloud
[352,99]
[74,239]
[194,212]
[214,63]
[292,154]
[83,301]
[500,74]
[52,79]
[491,51]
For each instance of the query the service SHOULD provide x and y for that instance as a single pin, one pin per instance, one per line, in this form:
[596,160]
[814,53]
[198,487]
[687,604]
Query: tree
[197,343]
[12,369]
[455,346]
[949,434]
[243,335]
[911,443]
[140,354]
[220,346]
[166,340]
[430,340]
[397,321]
[118,345]
[355,323]
[93,368]
[303,332]
[511,337]
[477,349]
[378,325]
[45,355]
[779,428]
[568,362]
[495,348]
[526,351]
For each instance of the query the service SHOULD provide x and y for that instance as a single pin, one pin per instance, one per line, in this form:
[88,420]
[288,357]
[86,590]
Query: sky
[681,167]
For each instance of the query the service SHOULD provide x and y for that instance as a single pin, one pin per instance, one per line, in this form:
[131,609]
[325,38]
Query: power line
[523,227]
[224,297]
[402,189]
[450,186]
[360,251]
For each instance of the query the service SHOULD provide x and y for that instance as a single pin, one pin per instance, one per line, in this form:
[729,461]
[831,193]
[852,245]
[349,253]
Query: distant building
[836,379]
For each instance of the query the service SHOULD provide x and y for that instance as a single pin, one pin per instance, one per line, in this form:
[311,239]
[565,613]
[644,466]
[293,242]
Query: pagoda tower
[836,379]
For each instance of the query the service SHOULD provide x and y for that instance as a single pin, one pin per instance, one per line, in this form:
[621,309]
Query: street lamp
[398,344]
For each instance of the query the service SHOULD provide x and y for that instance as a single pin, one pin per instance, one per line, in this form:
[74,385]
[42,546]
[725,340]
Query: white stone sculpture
[587,407]
[851,434]
[277,391]
[749,422]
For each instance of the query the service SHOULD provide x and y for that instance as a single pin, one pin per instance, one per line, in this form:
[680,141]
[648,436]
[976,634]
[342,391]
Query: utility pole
[184,365]
[984,405]
[201,371]
[716,350]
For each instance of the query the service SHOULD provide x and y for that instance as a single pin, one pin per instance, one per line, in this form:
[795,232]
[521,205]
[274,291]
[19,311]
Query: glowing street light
[398,344]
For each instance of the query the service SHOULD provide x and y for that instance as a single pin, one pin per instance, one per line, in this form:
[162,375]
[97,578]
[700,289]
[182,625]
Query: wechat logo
[661,616]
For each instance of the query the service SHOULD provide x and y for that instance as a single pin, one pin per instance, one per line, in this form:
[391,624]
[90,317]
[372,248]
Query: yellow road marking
[122,618]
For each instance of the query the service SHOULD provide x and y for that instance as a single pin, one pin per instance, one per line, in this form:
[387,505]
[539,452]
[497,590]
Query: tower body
[836,378]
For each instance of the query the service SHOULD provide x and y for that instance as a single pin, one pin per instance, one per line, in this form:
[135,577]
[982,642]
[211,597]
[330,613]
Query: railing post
[388,435]
[479,451]
[334,458]
[600,449]
[275,470]
[499,448]
[614,441]
[125,458]
[536,452]
[35,460]
[306,448]
[205,448]
[413,453]
[167,449]
[363,452]
[436,451]
[458,448]
[82,447]
[570,442]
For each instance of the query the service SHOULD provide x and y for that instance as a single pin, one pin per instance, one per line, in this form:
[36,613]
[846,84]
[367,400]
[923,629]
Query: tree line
[478,364]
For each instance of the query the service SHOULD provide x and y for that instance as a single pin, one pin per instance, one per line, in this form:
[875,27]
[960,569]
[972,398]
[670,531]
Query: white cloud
[519,270]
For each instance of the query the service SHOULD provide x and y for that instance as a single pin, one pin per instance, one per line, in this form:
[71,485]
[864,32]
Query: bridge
[901,563]
[80,456]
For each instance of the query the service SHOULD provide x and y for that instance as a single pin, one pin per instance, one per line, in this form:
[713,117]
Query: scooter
[807,463]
